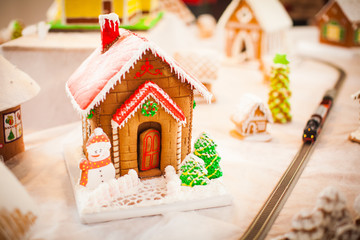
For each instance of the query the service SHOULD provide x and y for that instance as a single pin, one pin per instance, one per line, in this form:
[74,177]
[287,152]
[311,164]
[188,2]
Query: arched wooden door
[149,141]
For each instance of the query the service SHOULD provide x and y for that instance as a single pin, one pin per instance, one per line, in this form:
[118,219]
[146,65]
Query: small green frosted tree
[205,148]
[193,172]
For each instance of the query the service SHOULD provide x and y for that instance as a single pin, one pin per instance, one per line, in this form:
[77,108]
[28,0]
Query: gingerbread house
[16,88]
[254,28]
[339,23]
[204,64]
[251,116]
[140,97]
[87,11]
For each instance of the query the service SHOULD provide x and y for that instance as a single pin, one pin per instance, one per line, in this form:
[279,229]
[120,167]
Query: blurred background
[33,11]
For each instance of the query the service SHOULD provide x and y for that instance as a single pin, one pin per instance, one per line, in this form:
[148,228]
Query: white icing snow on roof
[247,105]
[16,86]
[270,14]
[351,8]
[99,73]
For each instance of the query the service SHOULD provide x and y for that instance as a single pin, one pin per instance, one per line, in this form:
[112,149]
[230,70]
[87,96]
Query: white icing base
[355,136]
[136,199]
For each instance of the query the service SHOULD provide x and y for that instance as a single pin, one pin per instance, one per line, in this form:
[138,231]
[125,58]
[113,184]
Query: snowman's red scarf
[87,165]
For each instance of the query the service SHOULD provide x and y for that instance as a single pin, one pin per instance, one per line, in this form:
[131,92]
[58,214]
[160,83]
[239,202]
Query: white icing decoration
[112,17]
[139,104]
[129,192]
[246,108]
[244,15]
[142,48]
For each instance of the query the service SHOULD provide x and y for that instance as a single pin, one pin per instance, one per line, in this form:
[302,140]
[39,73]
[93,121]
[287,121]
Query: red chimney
[109,24]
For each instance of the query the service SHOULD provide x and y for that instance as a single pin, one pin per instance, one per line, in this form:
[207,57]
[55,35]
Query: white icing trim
[115,144]
[112,17]
[178,145]
[131,114]
[145,45]
[246,110]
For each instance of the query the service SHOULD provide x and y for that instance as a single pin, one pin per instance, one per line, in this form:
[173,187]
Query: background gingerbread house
[339,23]
[251,116]
[16,88]
[254,28]
[87,11]
[140,97]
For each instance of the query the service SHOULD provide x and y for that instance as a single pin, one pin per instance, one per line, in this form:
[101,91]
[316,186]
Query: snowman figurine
[97,168]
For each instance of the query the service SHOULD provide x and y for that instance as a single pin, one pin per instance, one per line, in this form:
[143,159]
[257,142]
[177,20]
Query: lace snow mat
[128,196]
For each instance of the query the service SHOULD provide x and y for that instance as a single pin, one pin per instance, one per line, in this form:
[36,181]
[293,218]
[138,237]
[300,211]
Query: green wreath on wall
[149,108]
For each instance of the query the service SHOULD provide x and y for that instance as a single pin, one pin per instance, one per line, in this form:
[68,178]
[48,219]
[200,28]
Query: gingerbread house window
[12,126]
[333,31]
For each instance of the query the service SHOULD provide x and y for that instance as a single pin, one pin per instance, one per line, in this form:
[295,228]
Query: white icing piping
[178,146]
[114,124]
[130,64]
[112,17]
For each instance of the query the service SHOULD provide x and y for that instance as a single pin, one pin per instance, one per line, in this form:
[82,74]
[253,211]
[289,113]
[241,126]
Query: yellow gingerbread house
[88,11]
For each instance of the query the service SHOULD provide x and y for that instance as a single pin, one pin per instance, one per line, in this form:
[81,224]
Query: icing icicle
[109,25]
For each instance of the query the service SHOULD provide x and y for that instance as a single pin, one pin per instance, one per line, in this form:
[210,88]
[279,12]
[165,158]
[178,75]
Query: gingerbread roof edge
[99,73]
[349,7]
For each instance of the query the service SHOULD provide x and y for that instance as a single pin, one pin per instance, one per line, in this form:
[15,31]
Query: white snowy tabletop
[251,170]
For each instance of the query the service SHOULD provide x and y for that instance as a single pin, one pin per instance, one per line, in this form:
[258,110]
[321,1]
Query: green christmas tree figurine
[193,172]
[279,94]
[205,148]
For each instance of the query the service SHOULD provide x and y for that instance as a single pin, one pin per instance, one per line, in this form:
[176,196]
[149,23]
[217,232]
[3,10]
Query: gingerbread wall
[333,13]
[252,28]
[10,147]
[181,93]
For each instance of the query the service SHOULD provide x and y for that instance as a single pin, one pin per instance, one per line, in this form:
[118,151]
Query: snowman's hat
[98,139]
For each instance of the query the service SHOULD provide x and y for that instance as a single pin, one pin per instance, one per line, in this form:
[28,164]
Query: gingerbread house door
[251,128]
[149,156]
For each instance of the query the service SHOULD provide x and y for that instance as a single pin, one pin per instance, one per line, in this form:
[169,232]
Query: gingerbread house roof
[247,107]
[270,14]
[350,8]
[16,86]
[100,72]
[145,91]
